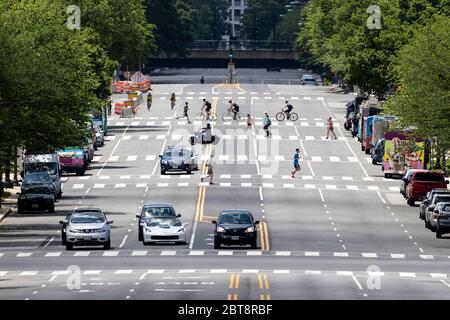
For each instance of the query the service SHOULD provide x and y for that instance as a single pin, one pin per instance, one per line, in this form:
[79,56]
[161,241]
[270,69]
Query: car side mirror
[63,221]
[18,193]
[110,222]
[178,215]
[256,222]
[436,211]
[214,222]
[21,174]
[160,156]
[138,216]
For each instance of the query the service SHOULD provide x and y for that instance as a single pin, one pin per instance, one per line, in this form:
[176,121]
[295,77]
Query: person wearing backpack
[267,123]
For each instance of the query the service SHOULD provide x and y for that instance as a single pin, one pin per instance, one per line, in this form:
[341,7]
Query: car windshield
[50,167]
[36,190]
[235,218]
[160,222]
[442,198]
[158,212]
[309,80]
[40,177]
[446,208]
[175,153]
[92,217]
[428,176]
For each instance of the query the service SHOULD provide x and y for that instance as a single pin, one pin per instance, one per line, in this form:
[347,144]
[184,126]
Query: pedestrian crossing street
[242,96]
[258,123]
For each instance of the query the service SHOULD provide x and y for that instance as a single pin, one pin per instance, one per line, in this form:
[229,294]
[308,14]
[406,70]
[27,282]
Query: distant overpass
[246,54]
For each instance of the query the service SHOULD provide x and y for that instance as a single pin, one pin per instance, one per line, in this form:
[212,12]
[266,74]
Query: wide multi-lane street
[339,230]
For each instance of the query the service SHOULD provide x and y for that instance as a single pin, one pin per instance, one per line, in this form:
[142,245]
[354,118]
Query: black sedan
[235,227]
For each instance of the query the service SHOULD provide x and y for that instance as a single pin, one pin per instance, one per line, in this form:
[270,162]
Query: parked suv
[156,210]
[178,159]
[423,207]
[443,219]
[407,178]
[423,182]
[37,193]
[308,79]
[430,217]
[87,226]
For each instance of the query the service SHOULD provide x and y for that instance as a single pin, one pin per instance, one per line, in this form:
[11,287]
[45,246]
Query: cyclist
[288,109]
[149,100]
[173,99]
[233,108]
[207,106]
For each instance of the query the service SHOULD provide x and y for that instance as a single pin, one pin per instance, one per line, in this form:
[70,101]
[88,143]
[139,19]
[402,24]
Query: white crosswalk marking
[126,137]
[29,273]
[120,185]
[279,158]
[99,186]
[373,188]
[407,274]
[304,124]
[246,176]
[368,179]
[82,254]
[310,186]
[131,158]
[110,253]
[168,252]
[143,137]
[96,158]
[262,158]
[78,186]
[283,253]
[344,273]
[335,159]
[145,176]
[352,159]
[113,158]
[316,158]
[92,272]
[397,256]
[394,188]
[352,187]
[315,272]
[307,98]
[3,273]
[307,177]
[253,253]
[160,137]
[340,254]
[53,254]
[223,157]
[369,255]
[123,271]
[150,123]
[347,178]
[120,123]
[312,254]
[331,186]
[310,138]
[135,123]
[293,137]
[288,185]
[245,184]
[268,185]
[124,177]
[150,158]
[225,176]
[327,178]
[197,253]
[225,184]
[320,124]
[183,184]
[242,158]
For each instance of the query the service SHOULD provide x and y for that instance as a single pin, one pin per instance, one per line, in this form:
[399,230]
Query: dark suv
[178,159]
[235,227]
[156,210]
[38,192]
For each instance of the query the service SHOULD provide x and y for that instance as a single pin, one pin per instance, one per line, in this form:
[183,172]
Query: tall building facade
[236,14]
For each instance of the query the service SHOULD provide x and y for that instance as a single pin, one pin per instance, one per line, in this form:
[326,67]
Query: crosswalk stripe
[197,253]
[352,159]
[120,185]
[150,158]
[123,271]
[288,185]
[183,184]
[142,185]
[29,273]
[397,256]
[168,252]
[352,187]
[131,158]
[144,137]
[331,186]
[315,158]
[394,188]
[113,158]
[110,253]
[225,184]
[96,158]
[312,253]
[407,274]
[225,253]
[78,186]
[369,255]
[3,273]
[310,186]
[283,253]
[82,254]
[340,254]
[92,272]
[244,184]
[99,186]
[373,188]
[126,137]
[53,254]
[335,159]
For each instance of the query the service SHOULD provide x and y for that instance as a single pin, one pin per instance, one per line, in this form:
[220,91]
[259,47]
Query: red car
[422,182]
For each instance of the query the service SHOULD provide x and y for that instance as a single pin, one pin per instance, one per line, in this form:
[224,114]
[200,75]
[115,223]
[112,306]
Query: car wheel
[189,171]
[51,209]
[69,246]
[216,244]
[140,235]
[253,244]
[107,245]
[438,233]
[63,239]
[374,162]
[19,208]
[80,172]
[146,243]
[163,172]
[411,201]
[427,226]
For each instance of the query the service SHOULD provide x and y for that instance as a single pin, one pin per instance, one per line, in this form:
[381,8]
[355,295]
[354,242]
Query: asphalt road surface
[339,230]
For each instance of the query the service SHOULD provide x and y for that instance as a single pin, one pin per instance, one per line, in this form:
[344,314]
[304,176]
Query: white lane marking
[368,178]
[334,159]
[24,254]
[78,186]
[394,188]
[340,254]
[150,157]
[117,144]
[155,271]
[53,254]
[88,190]
[123,271]
[373,188]
[82,254]
[438,275]
[120,185]
[344,273]
[347,178]
[92,272]
[110,253]
[29,273]
[321,195]
[369,255]
[139,253]
[218,271]
[379,196]
[183,184]
[186,271]
[316,158]
[246,176]
[197,253]
[397,256]
[357,283]
[131,158]
[3,273]
[313,272]
[288,185]
[225,253]
[281,271]
[331,186]
[426,257]
[407,274]
[312,254]
[123,241]
[168,252]
[142,185]
[283,253]
[98,186]
[250,271]
[225,184]
[246,184]
[253,253]
[261,194]
[448,285]
[352,187]
[310,186]
[104,177]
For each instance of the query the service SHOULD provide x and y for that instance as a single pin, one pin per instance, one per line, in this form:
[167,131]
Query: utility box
[126,113]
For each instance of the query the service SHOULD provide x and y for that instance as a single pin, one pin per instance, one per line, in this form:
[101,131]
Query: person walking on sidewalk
[267,123]
[210,168]
[249,122]
[296,157]
[185,112]
[330,128]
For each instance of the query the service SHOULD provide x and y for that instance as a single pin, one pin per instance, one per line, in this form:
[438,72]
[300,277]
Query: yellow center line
[266,235]
[236,286]
[267,296]
[228,296]
[232,281]
[261,296]
[235,296]
[260,281]
[266,282]
[261,236]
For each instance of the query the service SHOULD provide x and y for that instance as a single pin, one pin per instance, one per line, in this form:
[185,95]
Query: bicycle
[201,116]
[280,116]
[229,115]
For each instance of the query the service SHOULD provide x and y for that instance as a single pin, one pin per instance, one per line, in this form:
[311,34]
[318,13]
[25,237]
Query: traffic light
[231,54]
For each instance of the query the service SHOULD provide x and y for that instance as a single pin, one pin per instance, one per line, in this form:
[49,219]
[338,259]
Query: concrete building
[236,13]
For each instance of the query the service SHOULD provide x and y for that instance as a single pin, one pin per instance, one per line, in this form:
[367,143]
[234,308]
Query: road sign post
[231,70]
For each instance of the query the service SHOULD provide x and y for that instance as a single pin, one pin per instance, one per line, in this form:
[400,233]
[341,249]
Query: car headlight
[181,230]
[74,230]
[250,229]
[220,229]
[164,162]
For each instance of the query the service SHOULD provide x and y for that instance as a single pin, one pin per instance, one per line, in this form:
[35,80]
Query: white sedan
[164,229]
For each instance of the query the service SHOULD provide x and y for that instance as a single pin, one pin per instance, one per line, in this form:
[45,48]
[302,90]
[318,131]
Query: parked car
[39,178]
[423,182]
[99,135]
[308,79]
[44,162]
[423,207]
[407,178]
[156,210]
[178,159]
[443,219]
[235,227]
[87,226]
[377,152]
[430,218]
[36,196]
[164,229]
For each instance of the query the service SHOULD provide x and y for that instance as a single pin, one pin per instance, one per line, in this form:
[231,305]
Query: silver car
[88,226]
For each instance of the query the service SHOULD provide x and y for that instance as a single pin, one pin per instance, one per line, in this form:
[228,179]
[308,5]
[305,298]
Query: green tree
[208,18]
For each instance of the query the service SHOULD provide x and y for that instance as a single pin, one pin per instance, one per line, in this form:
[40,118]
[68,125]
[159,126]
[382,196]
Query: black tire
[432,228]
[163,172]
[69,246]
[347,126]
[51,209]
[80,172]
[192,140]
[410,201]
[189,171]
[374,162]
[239,116]
[280,116]
[253,244]
[19,208]
[140,234]
[63,239]
[107,245]
[146,243]
[216,244]
[59,195]
[438,233]
[293,116]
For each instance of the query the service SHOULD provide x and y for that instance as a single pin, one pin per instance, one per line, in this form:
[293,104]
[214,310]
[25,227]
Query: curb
[3,216]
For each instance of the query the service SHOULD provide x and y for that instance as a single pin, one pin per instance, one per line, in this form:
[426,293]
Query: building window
[237,3]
